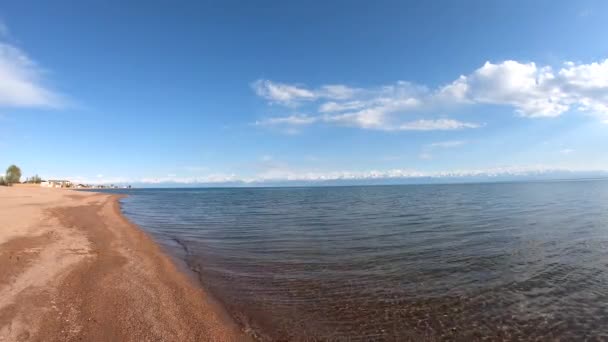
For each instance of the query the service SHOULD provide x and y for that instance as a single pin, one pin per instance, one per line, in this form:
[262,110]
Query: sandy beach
[74,269]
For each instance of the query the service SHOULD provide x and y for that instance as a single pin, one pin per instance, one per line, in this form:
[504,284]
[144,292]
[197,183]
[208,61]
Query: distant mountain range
[487,176]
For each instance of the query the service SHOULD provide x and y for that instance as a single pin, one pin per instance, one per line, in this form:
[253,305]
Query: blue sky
[212,91]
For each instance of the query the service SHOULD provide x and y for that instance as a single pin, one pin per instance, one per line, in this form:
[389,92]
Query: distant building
[56,183]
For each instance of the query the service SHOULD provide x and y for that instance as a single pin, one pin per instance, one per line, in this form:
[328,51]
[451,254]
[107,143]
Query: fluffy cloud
[536,91]
[531,90]
[20,81]
[374,108]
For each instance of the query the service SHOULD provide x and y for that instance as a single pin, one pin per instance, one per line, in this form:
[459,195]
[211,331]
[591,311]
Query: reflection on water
[513,261]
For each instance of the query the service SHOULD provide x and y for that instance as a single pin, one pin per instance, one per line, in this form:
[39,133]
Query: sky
[156,92]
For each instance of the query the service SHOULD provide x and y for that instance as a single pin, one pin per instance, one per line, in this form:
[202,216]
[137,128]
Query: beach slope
[72,268]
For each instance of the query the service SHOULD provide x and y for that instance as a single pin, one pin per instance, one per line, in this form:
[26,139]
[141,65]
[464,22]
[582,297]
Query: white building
[56,183]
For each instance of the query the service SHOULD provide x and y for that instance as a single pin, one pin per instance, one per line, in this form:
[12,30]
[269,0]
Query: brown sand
[72,268]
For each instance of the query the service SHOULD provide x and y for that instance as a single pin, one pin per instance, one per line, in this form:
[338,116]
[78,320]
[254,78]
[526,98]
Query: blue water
[498,261]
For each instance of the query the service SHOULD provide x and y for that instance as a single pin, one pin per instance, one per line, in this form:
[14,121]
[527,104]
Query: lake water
[498,261]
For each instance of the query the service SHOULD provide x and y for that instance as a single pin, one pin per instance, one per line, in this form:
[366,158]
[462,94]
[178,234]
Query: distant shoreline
[338,184]
[74,268]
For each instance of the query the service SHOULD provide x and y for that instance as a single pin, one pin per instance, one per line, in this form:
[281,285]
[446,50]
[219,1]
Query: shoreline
[78,269]
[193,273]
[245,323]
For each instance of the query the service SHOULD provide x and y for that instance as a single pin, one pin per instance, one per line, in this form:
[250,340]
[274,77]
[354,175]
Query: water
[496,261]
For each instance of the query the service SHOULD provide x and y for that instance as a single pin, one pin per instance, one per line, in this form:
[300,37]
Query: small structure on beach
[56,183]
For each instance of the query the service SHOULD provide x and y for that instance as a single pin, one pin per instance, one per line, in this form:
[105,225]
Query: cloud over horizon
[285,175]
[532,91]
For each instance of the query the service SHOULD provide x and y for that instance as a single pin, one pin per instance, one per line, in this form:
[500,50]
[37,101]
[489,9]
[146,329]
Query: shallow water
[510,260]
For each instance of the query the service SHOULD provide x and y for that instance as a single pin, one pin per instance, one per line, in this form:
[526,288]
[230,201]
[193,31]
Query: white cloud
[337,91]
[296,120]
[288,124]
[294,94]
[531,90]
[368,119]
[536,91]
[566,151]
[330,107]
[436,125]
[374,108]
[282,93]
[21,81]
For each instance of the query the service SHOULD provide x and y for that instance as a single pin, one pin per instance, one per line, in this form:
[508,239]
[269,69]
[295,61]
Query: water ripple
[520,261]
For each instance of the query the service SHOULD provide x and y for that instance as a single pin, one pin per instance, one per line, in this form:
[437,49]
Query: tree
[3,181]
[34,180]
[13,174]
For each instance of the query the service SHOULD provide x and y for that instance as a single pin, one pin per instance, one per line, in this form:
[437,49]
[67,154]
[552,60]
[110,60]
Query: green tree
[34,180]
[13,174]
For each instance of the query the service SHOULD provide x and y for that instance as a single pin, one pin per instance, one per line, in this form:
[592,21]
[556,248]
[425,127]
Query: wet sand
[72,268]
